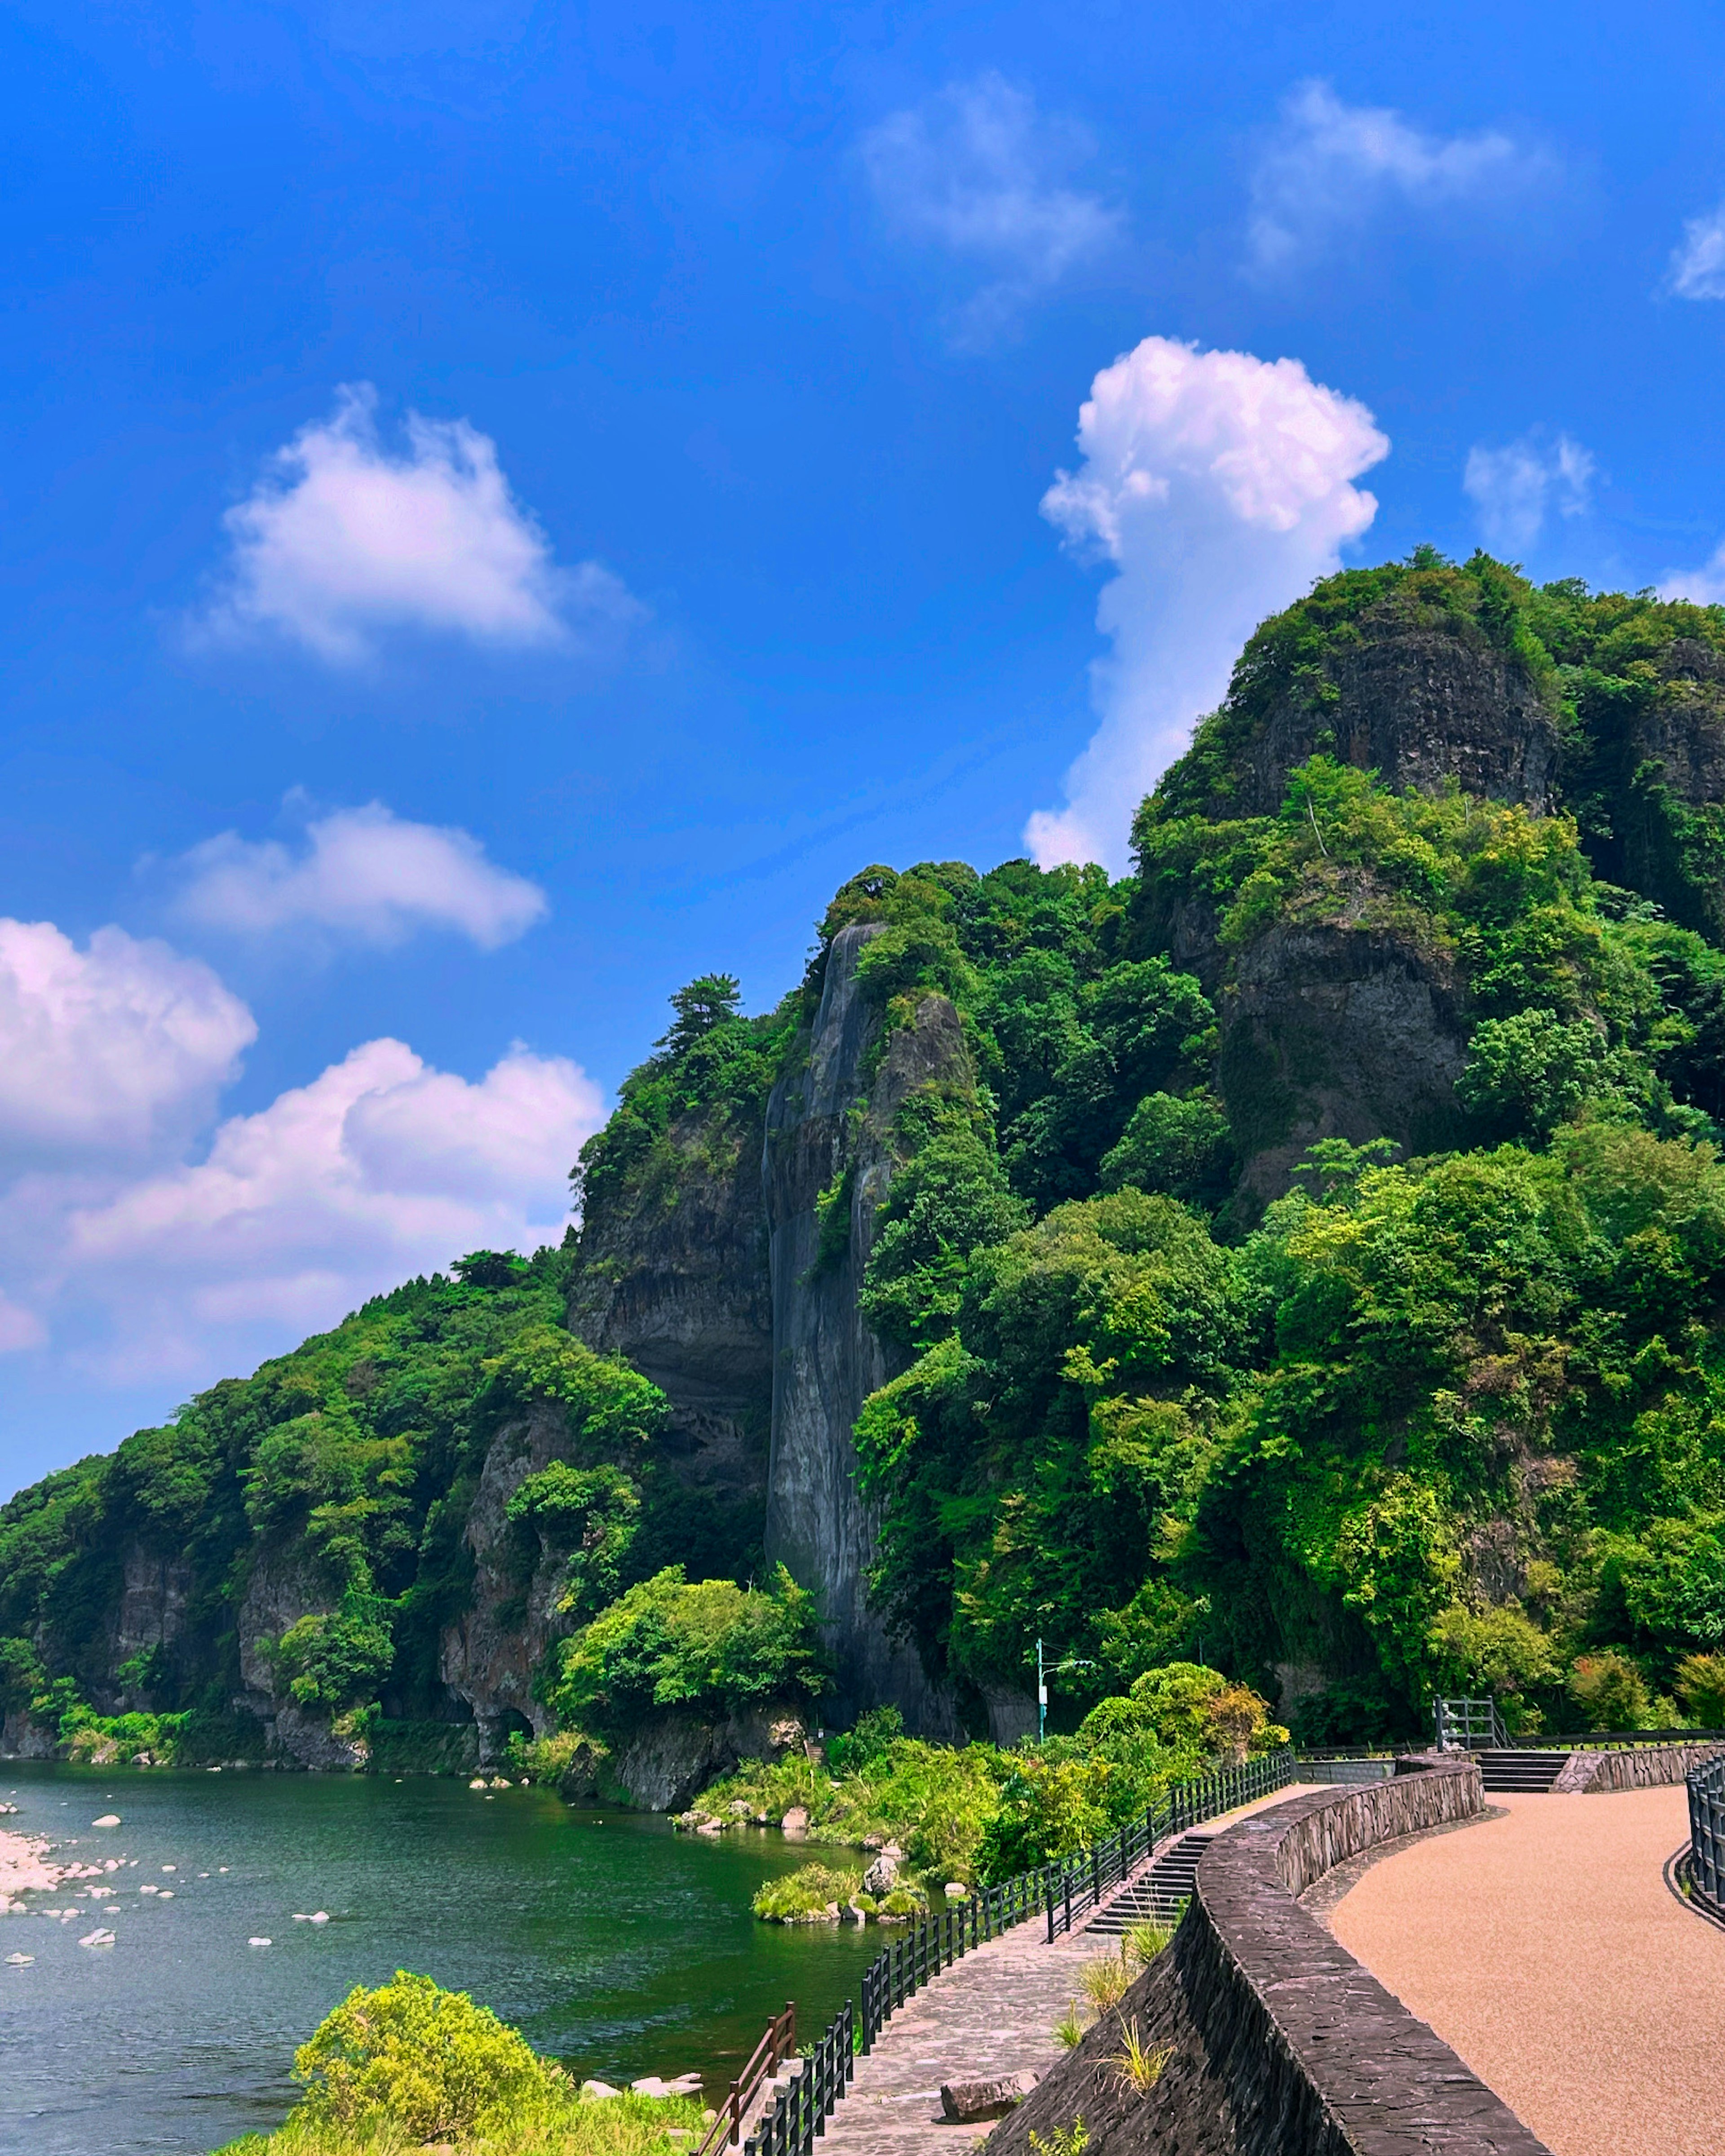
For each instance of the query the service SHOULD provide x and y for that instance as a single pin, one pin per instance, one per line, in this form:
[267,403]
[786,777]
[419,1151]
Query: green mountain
[1305,1254]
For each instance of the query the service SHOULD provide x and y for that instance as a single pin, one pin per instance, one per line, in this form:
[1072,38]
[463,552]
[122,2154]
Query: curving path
[1545,1947]
[992,2013]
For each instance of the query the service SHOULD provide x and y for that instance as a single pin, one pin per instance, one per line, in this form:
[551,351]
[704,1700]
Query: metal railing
[1076,1885]
[792,2123]
[1468,1725]
[778,2044]
[1706,1833]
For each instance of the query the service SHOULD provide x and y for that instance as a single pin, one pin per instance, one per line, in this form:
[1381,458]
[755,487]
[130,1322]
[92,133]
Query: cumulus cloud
[977,171]
[380,1169]
[1219,485]
[1697,263]
[1705,586]
[342,539]
[1329,166]
[364,873]
[116,1050]
[1515,487]
[136,1244]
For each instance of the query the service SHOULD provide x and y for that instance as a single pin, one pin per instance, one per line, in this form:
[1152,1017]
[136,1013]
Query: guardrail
[1706,1834]
[777,2045]
[790,2125]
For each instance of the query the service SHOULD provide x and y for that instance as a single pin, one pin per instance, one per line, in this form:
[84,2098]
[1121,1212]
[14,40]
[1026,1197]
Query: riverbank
[615,1946]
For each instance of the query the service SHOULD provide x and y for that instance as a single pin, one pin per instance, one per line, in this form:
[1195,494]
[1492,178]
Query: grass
[1069,2030]
[1105,1981]
[1064,2141]
[1142,1943]
[614,2126]
[1139,2066]
[806,1895]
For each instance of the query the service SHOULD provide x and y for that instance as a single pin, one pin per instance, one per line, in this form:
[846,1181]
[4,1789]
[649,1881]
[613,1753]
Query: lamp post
[1044,1671]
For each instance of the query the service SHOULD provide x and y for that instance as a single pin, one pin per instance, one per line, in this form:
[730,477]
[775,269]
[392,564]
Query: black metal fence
[1706,1833]
[797,2115]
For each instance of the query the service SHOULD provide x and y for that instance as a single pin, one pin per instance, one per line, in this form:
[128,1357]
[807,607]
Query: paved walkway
[1545,1947]
[992,2013]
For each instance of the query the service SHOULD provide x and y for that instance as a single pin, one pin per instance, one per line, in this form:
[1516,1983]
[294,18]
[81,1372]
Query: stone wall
[1644,1767]
[1279,2043]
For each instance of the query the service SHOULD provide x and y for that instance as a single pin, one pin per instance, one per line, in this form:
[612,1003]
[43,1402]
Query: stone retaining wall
[1646,1767]
[1278,2043]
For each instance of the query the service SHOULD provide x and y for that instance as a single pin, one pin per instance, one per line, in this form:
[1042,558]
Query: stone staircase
[1520,1773]
[1155,1894]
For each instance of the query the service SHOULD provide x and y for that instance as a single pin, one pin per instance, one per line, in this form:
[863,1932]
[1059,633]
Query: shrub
[428,2060]
[333,1659]
[668,1643]
[808,1891]
[1610,1692]
[1701,1686]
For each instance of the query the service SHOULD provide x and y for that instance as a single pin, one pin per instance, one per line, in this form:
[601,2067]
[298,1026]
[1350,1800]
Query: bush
[1610,1693]
[334,1659]
[667,1643]
[808,1892]
[1701,1686]
[428,2060]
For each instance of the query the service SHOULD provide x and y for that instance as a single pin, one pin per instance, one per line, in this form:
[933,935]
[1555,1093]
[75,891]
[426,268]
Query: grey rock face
[1333,1032]
[488,1656]
[829,1131]
[681,1290]
[285,1586]
[1418,706]
[152,1604]
[674,1757]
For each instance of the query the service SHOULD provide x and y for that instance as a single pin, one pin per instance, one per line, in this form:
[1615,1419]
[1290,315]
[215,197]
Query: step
[1521,1772]
[1155,1894]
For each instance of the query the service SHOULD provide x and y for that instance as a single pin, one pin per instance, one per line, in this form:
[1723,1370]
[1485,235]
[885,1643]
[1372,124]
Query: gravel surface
[1545,1947]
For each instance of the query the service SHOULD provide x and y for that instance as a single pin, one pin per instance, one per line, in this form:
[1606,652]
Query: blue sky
[506,506]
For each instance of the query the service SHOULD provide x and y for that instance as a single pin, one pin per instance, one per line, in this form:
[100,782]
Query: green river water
[614,1943]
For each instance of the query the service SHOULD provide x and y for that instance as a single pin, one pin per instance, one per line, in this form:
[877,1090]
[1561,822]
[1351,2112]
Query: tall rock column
[829,1134]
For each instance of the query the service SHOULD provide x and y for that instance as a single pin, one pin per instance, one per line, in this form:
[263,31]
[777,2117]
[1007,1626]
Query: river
[610,1942]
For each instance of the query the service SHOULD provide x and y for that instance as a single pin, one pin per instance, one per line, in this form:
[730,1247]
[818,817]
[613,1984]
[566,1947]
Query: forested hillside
[1304,1255]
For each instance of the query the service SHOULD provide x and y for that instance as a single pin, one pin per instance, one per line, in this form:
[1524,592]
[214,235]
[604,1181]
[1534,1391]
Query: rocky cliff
[829,1146]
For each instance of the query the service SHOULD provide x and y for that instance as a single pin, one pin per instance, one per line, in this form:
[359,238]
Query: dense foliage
[361,1451]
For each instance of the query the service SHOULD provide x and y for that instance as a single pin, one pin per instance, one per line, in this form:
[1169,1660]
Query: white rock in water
[149,1890]
[320,1915]
[598,2091]
[170,1867]
[167,1894]
[301,1916]
[97,1938]
[107,1818]
[477,1783]
[260,1942]
[19,1961]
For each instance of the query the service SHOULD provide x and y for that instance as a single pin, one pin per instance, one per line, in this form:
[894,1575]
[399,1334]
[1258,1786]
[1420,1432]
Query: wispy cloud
[1329,167]
[1705,586]
[1697,263]
[1219,485]
[1513,488]
[365,874]
[978,171]
[343,540]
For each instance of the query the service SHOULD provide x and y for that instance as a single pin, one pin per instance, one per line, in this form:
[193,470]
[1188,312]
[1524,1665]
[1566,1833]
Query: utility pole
[1041,1695]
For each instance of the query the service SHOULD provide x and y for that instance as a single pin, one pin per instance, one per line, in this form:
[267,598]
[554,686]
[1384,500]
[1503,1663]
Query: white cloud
[361,872]
[976,170]
[341,541]
[131,1252]
[1697,263]
[117,1050]
[1514,487]
[1219,485]
[1329,166]
[1705,586]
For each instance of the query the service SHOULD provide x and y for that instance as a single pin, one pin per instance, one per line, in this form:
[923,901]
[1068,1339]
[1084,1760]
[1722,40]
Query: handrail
[1706,1834]
[775,2046]
[1062,1890]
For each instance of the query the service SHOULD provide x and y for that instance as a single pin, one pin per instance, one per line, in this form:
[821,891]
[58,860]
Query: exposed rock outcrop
[673,1757]
[151,1612]
[828,1143]
[1335,1032]
[489,1655]
[675,1279]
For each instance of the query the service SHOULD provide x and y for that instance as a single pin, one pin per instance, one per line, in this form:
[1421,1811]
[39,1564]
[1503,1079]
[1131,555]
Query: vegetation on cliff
[1205,1347]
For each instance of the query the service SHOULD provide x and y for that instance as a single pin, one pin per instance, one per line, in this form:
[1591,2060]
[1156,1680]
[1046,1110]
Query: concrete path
[992,2013]
[1545,1947]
